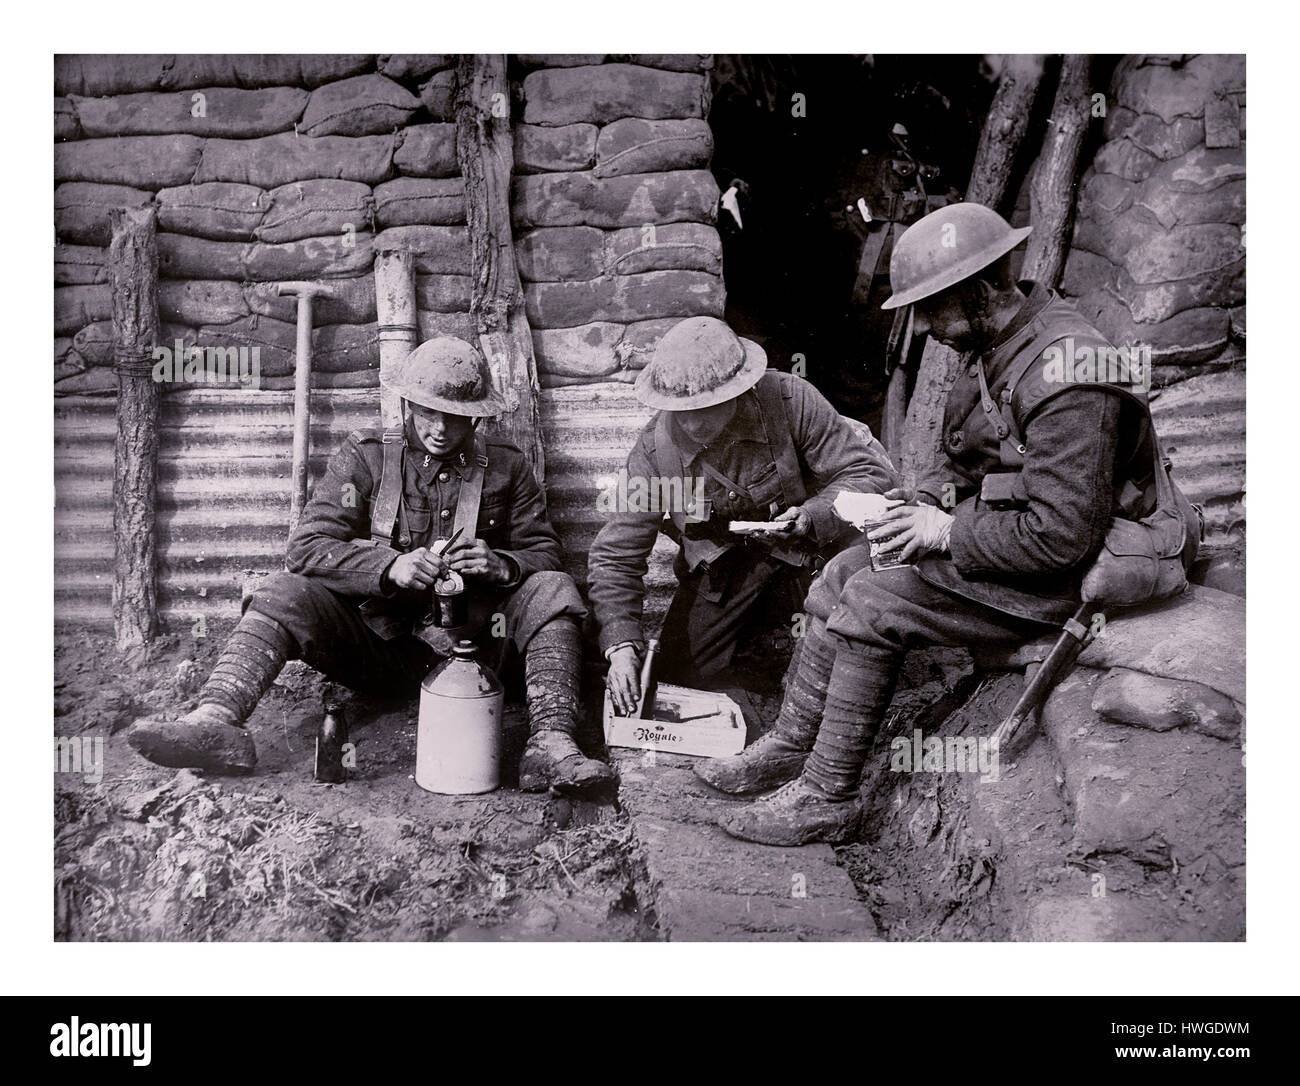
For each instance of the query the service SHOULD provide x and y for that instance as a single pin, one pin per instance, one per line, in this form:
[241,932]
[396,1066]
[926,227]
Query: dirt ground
[150,854]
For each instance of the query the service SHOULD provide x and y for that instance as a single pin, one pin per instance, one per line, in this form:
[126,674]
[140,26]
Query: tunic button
[443,476]
[446,513]
[405,540]
[492,522]
[731,494]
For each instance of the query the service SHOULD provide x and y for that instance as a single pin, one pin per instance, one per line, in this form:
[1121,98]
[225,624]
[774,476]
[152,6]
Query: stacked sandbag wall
[614,208]
[263,169]
[1158,257]
[1158,253]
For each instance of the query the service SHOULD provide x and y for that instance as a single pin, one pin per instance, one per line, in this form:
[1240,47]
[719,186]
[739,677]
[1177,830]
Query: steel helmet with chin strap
[945,247]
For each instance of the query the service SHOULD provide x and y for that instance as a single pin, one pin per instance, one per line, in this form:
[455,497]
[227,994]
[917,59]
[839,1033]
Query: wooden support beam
[485,150]
[399,329]
[133,264]
[1000,139]
[1051,191]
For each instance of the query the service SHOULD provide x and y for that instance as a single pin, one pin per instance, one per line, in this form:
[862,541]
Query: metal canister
[458,746]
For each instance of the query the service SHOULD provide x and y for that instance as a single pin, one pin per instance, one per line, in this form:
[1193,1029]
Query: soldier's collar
[429,465]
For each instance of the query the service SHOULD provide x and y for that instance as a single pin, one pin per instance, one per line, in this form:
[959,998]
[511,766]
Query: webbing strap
[471,492]
[383,512]
[780,442]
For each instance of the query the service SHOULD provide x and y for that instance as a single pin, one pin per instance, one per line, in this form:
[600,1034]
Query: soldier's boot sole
[214,747]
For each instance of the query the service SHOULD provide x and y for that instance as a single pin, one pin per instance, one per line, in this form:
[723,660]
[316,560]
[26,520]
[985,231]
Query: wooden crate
[695,722]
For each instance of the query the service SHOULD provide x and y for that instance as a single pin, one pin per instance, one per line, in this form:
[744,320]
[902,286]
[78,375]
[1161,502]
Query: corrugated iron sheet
[1202,425]
[223,490]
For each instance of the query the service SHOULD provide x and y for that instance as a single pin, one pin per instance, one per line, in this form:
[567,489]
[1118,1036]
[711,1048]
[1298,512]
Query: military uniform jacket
[333,542]
[1086,443]
[832,453]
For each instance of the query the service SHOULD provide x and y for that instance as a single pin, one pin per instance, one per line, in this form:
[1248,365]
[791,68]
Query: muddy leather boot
[823,803]
[212,737]
[551,758]
[779,756]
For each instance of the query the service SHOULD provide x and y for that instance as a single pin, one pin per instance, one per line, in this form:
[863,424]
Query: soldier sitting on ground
[355,600]
[738,442]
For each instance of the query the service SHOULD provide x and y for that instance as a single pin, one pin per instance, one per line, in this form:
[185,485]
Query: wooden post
[133,263]
[1000,139]
[485,150]
[1051,191]
[399,328]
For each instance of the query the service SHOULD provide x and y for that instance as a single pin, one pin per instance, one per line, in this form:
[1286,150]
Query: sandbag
[560,254]
[66,362]
[641,339]
[637,146]
[671,62]
[361,106]
[307,209]
[345,348]
[184,257]
[201,301]
[123,73]
[92,382]
[609,92]
[340,256]
[279,160]
[573,199]
[438,96]
[427,150]
[77,306]
[66,124]
[350,301]
[145,162]
[440,250]
[688,246]
[420,201]
[539,149]
[218,210]
[624,298]
[81,210]
[443,293]
[211,111]
[80,264]
[359,379]
[559,60]
[94,343]
[413,65]
[587,351]
[275,341]
[459,325]
[556,380]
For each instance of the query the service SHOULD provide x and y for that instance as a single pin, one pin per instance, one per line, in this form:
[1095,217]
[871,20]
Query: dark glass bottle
[330,740]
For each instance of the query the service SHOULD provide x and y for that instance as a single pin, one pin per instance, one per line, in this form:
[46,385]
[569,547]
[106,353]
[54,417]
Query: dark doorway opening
[820,172]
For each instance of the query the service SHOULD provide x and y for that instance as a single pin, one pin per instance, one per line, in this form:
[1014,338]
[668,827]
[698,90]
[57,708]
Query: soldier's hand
[416,569]
[803,524]
[624,680]
[474,558]
[913,530]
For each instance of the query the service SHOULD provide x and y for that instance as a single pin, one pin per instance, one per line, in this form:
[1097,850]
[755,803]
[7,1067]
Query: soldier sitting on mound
[355,600]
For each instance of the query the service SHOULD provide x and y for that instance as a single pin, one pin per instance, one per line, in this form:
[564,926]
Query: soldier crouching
[434,510]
